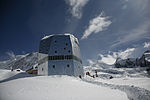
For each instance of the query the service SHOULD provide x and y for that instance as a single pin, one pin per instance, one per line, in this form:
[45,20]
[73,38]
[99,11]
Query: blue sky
[102,26]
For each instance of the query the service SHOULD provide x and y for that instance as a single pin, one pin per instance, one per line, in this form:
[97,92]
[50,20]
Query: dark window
[42,69]
[53,66]
[55,51]
[68,66]
[61,57]
[55,41]
[65,57]
[69,51]
[64,48]
[66,44]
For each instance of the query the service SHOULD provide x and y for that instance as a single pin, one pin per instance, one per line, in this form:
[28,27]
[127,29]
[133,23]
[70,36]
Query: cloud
[90,62]
[76,7]
[108,59]
[146,44]
[140,32]
[135,52]
[11,54]
[97,24]
[111,57]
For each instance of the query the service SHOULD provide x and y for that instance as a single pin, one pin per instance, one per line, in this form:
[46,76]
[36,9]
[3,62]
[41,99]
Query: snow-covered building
[60,55]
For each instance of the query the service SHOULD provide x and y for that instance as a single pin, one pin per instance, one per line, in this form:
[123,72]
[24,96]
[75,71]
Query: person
[88,73]
[11,68]
[96,73]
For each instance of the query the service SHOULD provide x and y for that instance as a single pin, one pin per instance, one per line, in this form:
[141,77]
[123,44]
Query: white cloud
[90,62]
[76,7]
[11,54]
[136,34]
[96,25]
[125,54]
[111,58]
[108,59]
[146,44]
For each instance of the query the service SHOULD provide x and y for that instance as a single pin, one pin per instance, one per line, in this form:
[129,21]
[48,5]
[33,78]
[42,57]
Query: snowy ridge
[144,61]
[23,62]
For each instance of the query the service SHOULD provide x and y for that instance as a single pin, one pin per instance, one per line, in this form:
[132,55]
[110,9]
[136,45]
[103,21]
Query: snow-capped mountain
[144,61]
[23,62]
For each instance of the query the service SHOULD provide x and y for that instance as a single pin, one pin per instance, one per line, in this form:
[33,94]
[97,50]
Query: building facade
[60,55]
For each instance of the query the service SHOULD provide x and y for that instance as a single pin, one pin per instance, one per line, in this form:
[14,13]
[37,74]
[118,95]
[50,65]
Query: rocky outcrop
[144,61]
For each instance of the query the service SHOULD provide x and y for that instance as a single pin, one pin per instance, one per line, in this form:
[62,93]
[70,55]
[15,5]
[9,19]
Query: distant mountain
[23,62]
[144,61]
[28,61]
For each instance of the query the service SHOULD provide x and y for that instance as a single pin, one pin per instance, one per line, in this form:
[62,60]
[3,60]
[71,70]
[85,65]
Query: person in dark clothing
[96,73]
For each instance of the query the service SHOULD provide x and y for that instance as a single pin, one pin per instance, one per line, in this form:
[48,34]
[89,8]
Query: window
[64,48]
[63,57]
[66,44]
[68,65]
[55,51]
[55,41]
[42,69]
[69,51]
[54,66]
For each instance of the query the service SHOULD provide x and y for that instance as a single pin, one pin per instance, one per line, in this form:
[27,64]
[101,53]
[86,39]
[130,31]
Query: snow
[138,82]
[53,88]
[133,81]
[23,62]
[4,74]
[126,83]
[45,37]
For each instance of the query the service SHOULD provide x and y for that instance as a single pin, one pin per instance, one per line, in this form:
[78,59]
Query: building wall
[61,67]
[78,68]
[75,47]
[60,47]
[42,64]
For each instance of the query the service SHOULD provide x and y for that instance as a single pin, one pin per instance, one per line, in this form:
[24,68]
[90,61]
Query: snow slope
[122,76]
[23,62]
[53,88]
[135,82]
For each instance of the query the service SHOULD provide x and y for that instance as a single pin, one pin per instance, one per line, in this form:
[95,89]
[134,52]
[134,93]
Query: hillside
[143,61]
[53,88]
[23,62]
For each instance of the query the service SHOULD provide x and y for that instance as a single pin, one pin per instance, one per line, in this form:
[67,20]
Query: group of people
[96,75]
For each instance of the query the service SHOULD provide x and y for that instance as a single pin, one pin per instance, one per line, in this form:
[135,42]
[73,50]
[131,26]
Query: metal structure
[60,55]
